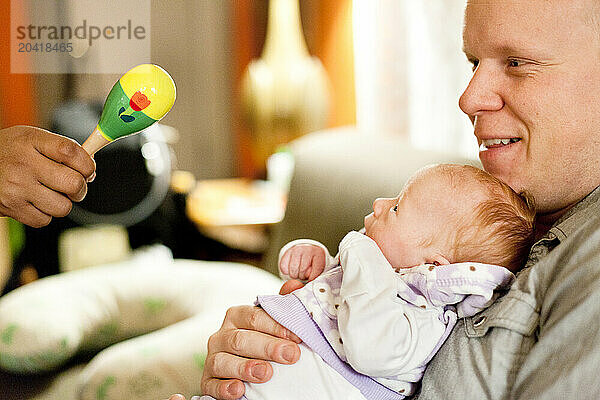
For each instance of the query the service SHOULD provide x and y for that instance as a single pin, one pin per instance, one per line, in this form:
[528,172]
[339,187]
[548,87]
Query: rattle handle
[95,142]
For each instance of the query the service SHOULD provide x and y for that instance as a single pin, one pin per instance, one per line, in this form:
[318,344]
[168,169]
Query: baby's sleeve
[382,335]
[330,261]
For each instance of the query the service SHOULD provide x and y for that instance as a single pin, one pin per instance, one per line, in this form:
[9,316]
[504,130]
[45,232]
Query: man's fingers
[61,178]
[29,215]
[256,320]
[65,151]
[290,286]
[225,389]
[256,345]
[247,338]
[49,202]
[233,367]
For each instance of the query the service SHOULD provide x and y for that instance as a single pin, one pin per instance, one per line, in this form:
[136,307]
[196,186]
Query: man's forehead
[576,3]
[520,10]
[533,27]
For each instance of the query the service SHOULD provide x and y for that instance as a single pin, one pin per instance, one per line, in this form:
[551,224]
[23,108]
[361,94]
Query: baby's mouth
[496,143]
[367,223]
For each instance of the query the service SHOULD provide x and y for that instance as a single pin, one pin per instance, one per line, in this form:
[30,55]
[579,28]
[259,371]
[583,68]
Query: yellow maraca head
[140,98]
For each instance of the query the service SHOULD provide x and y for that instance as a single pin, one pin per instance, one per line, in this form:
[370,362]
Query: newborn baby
[373,317]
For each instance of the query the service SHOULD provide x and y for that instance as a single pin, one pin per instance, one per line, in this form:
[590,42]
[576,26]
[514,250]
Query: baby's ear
[438,259]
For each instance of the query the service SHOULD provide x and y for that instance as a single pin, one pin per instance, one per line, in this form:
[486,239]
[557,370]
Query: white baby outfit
[374,326]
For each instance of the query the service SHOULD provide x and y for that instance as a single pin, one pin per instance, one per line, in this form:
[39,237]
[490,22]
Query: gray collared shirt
[541,340]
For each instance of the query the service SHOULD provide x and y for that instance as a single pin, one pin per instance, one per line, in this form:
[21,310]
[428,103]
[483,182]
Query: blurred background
[251,76]
[291,117]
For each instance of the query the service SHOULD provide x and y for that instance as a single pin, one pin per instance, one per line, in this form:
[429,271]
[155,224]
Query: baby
[372,317]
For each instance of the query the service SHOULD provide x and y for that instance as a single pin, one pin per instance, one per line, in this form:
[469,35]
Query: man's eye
[514,63]
[394,208]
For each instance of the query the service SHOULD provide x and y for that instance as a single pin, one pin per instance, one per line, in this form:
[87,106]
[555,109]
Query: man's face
[536,87]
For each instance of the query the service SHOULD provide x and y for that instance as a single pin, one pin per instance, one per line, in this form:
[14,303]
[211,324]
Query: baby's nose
[379,206]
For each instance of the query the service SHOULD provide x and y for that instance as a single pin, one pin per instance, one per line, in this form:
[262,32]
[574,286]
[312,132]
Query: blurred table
[236,211]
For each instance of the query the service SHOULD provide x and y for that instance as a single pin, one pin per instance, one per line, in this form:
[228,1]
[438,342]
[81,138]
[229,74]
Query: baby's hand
[303,261]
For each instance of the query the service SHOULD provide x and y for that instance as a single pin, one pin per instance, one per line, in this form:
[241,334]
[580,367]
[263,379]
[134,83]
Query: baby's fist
[303,261]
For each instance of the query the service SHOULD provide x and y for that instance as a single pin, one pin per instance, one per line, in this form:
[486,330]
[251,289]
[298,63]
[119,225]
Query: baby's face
[410,229]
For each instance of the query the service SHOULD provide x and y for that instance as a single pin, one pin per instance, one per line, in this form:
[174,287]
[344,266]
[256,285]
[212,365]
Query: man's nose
[379,206]
[481,94]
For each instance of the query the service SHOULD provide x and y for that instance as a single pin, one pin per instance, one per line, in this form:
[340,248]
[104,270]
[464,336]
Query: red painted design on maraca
[139,101]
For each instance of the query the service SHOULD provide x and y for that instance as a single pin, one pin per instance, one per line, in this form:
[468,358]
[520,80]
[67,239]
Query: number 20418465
[44,47]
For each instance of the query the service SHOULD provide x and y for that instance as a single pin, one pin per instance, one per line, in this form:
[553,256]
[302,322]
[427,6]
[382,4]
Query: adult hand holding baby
[232,332]
[41,174]
[247,327]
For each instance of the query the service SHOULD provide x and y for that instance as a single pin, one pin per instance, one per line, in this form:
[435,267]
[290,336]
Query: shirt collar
[586,209]
[565,226]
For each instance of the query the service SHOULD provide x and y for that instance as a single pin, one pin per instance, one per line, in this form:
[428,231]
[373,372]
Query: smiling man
[534,100]
[535,90]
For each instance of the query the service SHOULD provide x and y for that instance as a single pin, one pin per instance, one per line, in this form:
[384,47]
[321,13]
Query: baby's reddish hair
[501,229]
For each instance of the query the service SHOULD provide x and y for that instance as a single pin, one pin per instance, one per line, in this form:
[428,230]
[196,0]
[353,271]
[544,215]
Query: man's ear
[437,259]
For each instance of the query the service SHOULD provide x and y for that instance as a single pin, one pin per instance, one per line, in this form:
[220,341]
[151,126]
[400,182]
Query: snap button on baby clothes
[480,320]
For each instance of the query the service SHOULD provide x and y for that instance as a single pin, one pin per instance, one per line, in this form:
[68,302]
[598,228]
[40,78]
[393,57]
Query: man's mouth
[496,143]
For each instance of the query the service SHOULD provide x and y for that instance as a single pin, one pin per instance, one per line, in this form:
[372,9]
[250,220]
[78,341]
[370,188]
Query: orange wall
[243,48]
[16,90]
[335,49]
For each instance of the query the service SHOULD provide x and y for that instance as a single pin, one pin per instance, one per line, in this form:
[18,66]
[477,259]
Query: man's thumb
[290,286]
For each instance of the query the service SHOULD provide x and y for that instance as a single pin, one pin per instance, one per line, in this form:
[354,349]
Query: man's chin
[497,167]
[513,182]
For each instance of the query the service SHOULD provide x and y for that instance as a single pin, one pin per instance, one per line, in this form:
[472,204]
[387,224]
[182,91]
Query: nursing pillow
[116,307]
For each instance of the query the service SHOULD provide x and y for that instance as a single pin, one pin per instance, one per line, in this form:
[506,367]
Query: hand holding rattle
[141,97]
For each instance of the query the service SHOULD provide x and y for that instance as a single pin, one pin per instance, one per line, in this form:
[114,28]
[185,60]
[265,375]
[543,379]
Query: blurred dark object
[132,173]
[131,189]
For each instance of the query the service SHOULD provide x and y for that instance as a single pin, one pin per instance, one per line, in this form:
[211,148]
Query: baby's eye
[474,64]
[394,208]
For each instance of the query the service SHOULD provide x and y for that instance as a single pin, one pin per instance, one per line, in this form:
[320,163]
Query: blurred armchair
[338,173]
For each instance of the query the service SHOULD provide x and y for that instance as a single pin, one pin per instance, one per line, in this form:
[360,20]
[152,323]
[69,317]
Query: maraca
[141,97]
